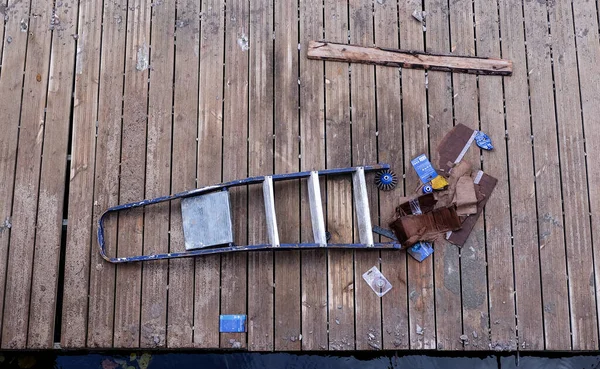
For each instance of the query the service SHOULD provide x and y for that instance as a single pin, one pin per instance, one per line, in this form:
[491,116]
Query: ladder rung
[361,202]
[316,209]
[270,211]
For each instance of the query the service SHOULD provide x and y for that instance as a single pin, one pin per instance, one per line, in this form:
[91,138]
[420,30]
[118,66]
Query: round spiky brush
[386,180]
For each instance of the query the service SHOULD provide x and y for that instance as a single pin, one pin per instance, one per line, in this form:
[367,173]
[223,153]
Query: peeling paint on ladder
[142,58]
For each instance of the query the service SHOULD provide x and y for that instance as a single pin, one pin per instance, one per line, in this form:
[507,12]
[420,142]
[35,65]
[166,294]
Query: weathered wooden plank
[210,144]
[421,307]
[312,154]
[497,213]
[364,151]
[287,200]
[339,190]
[588,54]
[27,176]
[440,114]
[548,173]
[128,288]
[180,310]
[473,253]
[106,183]
[158,175]
[234,287]
[522,187]
[330,51]
[44,282]
[11,85]
[260,162]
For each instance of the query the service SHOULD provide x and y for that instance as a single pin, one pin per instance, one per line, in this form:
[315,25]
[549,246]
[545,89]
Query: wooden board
[325,50]
[260,162]
[210,146]
[312,155]
[27,177]
[235,161]
[180,311]
[44,284]
[547,172]
[421,303]
[339,190]
[496,215]
[440,113]
[287,315]
[522,187]
[586,39]
[128,286]
[153,320]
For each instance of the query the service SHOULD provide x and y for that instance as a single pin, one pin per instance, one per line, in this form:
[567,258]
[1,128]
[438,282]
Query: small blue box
[420,251]
[424,168]
[232,324]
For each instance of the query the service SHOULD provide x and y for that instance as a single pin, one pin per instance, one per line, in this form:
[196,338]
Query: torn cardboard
[412,228]
[454,146]
[465,197]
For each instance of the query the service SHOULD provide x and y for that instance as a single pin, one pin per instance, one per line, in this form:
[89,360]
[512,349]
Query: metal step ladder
[207,224]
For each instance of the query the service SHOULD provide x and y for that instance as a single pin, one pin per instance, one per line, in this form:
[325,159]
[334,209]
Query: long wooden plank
[11,85]
[324,50]
[389,118]
[27,174]
[100,325]
[421,307]
[180,310]
[364,151]
[440,113]
[548,174]
[312,157]
[522,187]
[588,54]
[234,287]
[44,282]
[210,132]
[260,162]
[158,175]
[287,201]
[128,288]
[473,253]
[497,214]
[339,190]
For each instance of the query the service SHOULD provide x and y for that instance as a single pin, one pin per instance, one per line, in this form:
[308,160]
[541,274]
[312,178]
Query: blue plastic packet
[483,141]
[232,323]
[424,168]
[420,251]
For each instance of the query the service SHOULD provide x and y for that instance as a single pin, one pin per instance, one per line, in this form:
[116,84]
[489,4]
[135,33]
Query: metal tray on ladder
[207,224]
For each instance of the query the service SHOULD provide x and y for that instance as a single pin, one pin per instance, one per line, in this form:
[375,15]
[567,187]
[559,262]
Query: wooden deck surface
[103,103]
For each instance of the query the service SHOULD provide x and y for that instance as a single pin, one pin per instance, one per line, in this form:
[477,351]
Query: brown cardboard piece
[465,197]
[410,229]
[454,143]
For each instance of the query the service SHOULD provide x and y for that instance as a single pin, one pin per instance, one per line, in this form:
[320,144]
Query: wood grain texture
[330,51]
[522,187]
[27,178]
[497,214]
[44,284]
[260,162]
[339,190]
[421,306]
[394,304]
[180,310]
[153,321]
[11,85]
[287,314]
[364,151]
[130,237]
[586,39]
[210,145]
[235,162]
[312,157]
[547,174]
[440,112]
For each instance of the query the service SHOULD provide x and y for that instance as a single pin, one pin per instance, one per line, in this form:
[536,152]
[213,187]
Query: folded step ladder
[207,224]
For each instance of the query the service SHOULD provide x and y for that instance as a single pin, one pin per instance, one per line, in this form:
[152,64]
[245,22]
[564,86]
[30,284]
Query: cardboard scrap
[454,145]
[465,197]
[412,228]
[444,198]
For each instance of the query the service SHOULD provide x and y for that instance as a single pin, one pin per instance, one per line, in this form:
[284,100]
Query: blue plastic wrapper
[232,323]
[483,141]
[420,251]
[424,168]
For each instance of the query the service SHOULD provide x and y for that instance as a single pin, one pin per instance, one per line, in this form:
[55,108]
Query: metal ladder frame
[316,210]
